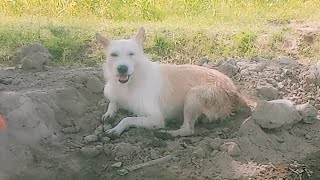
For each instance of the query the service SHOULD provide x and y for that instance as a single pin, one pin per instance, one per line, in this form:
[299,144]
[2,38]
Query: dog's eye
[114,54]
[131,54]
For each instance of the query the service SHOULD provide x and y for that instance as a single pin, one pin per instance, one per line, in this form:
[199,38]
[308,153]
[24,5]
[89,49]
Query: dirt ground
[54,130]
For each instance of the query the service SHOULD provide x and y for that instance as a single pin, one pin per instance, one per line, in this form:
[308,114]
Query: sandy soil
[54,130]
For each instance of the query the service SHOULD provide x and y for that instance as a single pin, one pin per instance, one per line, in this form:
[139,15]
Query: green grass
[179,31]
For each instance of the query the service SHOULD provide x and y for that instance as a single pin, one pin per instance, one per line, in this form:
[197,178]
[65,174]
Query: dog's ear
[141,36]
[102,40]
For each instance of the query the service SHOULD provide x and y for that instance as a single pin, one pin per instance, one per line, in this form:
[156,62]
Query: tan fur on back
[180,79]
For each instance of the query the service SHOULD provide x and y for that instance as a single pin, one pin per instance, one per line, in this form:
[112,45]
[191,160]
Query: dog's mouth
[123,78]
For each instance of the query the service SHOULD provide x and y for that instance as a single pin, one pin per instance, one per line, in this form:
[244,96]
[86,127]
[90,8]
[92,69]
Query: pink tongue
[123,77]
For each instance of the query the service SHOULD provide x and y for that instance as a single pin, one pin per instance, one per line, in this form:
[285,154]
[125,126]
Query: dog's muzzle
[123,77]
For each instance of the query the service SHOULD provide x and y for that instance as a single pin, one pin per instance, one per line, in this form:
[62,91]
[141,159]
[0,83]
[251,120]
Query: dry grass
[178,31]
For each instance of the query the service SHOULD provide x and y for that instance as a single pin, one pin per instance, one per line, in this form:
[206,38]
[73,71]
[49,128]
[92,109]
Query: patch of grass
[245,43]
[177,31]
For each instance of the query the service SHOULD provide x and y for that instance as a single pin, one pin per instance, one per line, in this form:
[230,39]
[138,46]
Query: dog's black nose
[122,69]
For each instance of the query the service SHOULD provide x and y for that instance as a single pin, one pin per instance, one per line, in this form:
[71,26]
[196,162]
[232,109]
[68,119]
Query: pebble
[122,172]
[307,136]
[216,143]
[90,138]
[105,140]
[90,152]
[231,148]
[98,130]
[117,165]
[199,153]
[70,130]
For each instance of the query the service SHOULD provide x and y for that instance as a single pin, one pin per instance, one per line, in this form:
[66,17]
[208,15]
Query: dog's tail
[250,101]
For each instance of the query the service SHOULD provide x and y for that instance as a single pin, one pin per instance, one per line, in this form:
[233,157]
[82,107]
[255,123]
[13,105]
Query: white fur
[155,92]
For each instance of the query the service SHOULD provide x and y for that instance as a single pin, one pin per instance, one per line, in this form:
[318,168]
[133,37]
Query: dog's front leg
[112,109]
[149,122]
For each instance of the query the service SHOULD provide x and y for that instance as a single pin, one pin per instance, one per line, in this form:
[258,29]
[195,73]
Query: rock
[94,84]
[228,69]
[28,50]
[98,130]
[117,165]
[126,149]
[312,76]
[308,112]
[275,114]
[214,153]
[201,61]
[231,148]
[105,140]
[70,130]
[2,87]
[199,153]
[268,92]
[6,81]
[287,61]
[90,152]
[35,62]
[307,136]
[216,143]
[122,172]
[90,138]
[153,154]
[107,149]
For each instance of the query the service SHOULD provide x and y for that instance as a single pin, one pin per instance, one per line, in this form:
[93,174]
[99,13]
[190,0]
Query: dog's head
[123,56]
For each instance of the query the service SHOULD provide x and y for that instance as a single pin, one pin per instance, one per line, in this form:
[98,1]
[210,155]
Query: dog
[154,91]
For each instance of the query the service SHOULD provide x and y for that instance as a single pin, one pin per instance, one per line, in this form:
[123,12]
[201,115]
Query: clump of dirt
[54,129]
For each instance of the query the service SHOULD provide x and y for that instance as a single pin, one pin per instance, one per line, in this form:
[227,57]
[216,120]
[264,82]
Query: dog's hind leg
[208,100]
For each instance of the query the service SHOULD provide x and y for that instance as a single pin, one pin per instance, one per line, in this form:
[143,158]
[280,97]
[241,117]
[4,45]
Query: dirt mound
[54,129]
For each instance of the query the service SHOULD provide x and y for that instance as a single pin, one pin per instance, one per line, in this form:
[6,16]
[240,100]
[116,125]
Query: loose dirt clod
[50,113]
[308,112]
[273,115]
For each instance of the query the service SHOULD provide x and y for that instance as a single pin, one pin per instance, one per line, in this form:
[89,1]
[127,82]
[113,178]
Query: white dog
[154,91]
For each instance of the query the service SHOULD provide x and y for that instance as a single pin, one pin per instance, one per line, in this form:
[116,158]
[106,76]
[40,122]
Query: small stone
[307,136]
[107,150]
[201,61]
[228,68]
[122,172]
[199,153]
[117,165]
[35,62]
[98,130]
[308,112]
[216,143]
[231,148]
[6,81]
[153,154]
[214,153]
[176,159]
[90,152]
[94,84]
[105,140]
[268,92]
[90,138]
[2,87]
[70,130]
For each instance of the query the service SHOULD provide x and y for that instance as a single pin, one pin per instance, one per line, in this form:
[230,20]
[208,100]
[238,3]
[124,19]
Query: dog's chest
[138,101]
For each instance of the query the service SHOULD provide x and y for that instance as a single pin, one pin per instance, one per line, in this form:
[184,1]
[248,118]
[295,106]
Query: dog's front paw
[106,116]
[113,133]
